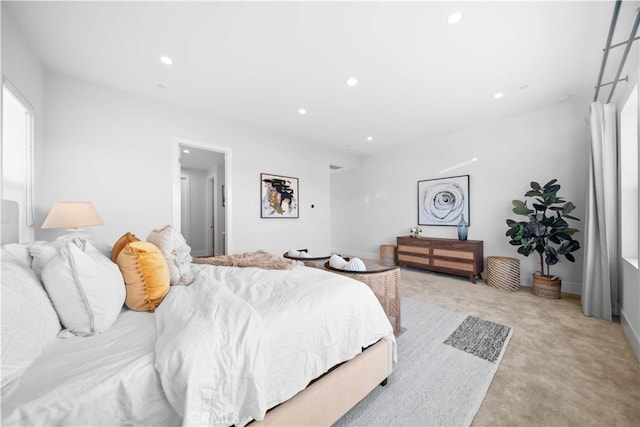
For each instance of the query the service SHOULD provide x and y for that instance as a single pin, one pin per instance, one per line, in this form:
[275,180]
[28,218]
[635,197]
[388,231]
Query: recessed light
[369,138]
[498,95]
[302,111]
[454,18]
[185,151]
[166,60]
[352,81]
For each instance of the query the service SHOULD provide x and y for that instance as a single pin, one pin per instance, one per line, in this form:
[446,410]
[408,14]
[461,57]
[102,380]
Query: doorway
[203,211]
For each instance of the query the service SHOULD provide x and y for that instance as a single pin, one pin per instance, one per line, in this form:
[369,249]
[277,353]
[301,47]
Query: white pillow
[42,253]
[29,321]
[293,253]
[175,249]
[17,252]
[355,264]
[86,288]
[336,261]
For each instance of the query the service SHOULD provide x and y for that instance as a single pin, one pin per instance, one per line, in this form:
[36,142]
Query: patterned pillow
[146,275]
[175,249]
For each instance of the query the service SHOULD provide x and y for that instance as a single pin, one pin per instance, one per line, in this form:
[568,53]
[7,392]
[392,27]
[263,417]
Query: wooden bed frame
[330,397]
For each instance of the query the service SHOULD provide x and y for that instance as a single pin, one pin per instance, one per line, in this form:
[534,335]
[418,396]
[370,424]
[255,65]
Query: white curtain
[600,272]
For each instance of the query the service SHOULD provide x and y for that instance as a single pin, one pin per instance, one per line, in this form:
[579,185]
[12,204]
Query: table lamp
[72,216]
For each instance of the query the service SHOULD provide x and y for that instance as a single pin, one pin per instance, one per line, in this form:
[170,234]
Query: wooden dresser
[461,257]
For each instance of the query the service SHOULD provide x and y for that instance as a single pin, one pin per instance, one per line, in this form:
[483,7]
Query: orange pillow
[146,275]
[121,243]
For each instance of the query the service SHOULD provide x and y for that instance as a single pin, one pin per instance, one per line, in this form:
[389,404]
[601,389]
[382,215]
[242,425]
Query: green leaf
[572,217]
[511,223]
[550,256]
[562,236]
[567,208]
[522,210]
[570,257]
[551,189]
[535,185]
[553,181]
[560,223]
[518,203]
[532,193]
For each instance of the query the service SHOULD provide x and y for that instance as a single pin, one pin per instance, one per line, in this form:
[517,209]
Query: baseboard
[631,333]
[574,288]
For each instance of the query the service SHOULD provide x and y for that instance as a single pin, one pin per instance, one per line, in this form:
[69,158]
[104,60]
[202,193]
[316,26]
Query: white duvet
[239,341]
[235,343]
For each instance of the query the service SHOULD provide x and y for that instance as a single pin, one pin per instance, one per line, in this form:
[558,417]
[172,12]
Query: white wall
[377,202]
[114,149]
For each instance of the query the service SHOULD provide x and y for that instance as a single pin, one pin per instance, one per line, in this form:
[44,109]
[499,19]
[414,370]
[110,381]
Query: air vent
[335,167]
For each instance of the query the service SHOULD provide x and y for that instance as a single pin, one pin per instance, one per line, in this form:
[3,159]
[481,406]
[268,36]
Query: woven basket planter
[546,287]
[388,255]
[503,273]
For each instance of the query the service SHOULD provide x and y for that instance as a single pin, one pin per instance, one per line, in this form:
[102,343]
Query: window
[629,178]
[17,156]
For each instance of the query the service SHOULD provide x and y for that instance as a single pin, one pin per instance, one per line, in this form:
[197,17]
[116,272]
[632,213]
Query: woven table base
[503,273]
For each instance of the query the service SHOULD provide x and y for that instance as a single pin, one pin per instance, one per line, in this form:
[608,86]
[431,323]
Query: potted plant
[546,232]
[415,231]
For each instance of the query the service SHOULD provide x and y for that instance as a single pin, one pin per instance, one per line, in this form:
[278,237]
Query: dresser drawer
[464,258]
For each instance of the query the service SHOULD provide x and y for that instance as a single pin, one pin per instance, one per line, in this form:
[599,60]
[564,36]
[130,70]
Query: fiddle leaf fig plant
[546,231]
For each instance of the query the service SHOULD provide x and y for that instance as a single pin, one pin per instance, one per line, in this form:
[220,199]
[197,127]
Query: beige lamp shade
[72,215]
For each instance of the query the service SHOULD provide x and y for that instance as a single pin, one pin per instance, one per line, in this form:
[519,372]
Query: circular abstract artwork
[441,203]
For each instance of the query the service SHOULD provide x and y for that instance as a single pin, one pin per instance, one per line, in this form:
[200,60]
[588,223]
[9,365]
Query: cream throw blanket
[259,259]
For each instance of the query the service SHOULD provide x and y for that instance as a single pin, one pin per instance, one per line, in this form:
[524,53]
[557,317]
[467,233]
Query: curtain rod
[630,41]
[612,28]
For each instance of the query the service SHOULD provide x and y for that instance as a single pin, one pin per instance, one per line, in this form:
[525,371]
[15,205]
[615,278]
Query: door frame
[175,182]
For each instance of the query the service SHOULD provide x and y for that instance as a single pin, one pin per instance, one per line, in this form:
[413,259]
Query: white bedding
[106,379]
[296,324]
[288,333]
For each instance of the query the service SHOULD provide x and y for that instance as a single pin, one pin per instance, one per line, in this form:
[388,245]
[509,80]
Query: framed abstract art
[443,201]
[278,196]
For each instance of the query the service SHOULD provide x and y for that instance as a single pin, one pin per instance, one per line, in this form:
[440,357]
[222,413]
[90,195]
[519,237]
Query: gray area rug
[446,362]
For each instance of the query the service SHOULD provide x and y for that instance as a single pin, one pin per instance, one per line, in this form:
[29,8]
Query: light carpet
[446,361]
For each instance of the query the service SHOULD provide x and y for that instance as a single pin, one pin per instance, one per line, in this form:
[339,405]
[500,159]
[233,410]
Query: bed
[237,346]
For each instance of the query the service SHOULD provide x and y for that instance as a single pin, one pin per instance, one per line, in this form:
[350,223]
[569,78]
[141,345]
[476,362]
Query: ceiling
[259,63]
